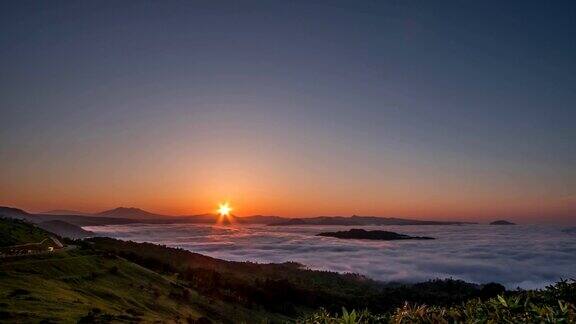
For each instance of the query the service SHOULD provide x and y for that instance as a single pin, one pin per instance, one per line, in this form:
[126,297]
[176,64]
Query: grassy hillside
[287,289]
[15,231]
[78,285]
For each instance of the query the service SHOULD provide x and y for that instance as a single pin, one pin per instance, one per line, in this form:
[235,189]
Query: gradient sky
[465,110]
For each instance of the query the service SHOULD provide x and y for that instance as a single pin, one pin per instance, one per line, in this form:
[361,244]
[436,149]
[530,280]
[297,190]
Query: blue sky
[427,109]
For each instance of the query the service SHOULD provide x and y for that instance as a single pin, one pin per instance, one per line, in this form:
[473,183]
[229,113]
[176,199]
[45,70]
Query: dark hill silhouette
[14,212]
[129,213]
[359,221]
[292,221]
[76,220]
[502,222]
[64,212]
[360,234]
[260,219]
[65,229]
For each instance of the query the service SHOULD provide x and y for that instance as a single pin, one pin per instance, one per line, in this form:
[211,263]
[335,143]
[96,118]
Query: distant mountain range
[64,212]
[359,220]
[52,223]
[120,212]
[68,223]
[129,213]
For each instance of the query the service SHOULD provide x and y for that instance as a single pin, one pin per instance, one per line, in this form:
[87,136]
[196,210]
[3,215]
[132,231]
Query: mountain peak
[129,212]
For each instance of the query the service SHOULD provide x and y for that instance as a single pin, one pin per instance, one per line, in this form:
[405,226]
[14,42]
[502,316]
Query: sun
[224,209]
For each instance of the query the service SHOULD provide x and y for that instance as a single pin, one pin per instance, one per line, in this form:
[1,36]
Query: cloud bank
[516,256]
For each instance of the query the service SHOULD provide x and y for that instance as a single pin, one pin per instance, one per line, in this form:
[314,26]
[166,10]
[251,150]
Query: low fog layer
[516,256]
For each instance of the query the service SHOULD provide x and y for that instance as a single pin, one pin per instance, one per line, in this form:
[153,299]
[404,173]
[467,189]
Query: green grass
[65,288]
[15,232]
[69,286]
[93,285]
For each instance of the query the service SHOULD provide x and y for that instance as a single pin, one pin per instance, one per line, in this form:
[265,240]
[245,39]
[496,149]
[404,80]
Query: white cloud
[516,256]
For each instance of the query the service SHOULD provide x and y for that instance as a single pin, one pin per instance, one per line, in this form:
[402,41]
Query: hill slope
[13,212]
[65,229]
[16,231]
[75,287]
[89,285]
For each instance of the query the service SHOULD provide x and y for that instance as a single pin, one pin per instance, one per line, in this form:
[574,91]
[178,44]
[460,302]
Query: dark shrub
[19,292]
[491,290]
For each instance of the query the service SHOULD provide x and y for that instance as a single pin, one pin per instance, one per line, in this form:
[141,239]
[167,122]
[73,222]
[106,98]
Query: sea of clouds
[527,256]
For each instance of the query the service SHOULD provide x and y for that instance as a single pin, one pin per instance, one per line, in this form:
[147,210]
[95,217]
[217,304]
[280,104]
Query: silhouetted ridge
[502,222]
[130,213]
[359,221]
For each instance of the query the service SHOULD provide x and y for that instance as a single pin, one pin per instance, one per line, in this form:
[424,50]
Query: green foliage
[15,232]
[81,285]
[68,286]
[322,316]
[95,286]
[551,305]
[278,288]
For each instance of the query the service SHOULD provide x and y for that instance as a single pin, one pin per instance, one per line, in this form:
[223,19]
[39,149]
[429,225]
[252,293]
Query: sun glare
[224,209]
